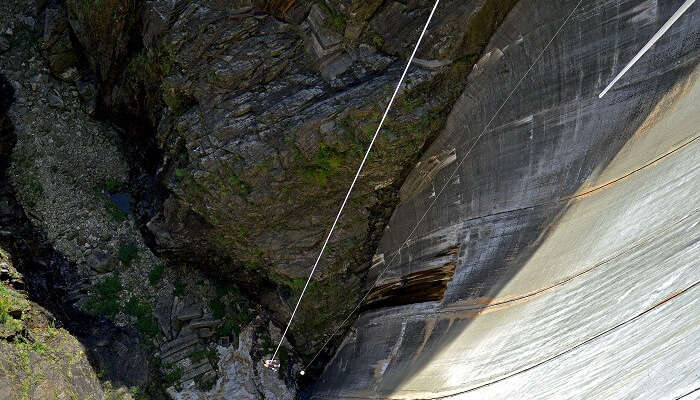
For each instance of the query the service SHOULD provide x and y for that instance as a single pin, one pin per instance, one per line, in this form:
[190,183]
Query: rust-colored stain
[425,285]
[429,326]
[449,251]
[667,298]
[290,3]
[420,286]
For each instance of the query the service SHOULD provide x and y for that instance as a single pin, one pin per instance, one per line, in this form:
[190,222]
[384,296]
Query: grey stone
[178,344]
[4,44]
[189,313]
[335,65]
[204,324]
[103,262]
[205,333]
[56,46]
[88,95]
[29,21]
[56,102]
[318,22]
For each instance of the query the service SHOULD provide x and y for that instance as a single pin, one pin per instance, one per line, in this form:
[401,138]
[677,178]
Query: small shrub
[10,303]
[218,308]
[209,353]
[239,186]
[173,375]
[145,323]
[103,300]
[328,158]
[114,212]
[156,274]
[128,253]
[112,185]
[338,22]
[233,322]
[205,382]
[179,288]
[34,190]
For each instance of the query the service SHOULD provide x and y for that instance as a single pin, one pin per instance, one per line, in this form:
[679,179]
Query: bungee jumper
[274,365]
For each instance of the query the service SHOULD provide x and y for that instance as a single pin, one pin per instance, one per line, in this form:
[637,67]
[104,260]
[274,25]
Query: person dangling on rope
[272,364]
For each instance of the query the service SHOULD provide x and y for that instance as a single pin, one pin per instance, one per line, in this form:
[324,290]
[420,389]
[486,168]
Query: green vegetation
[136,392]
[112,185]
[337,20]
[179,288]
[180,173]
[325,163]
[127,253]
[103,300]
[173,375]
[233,323]
[115,214]
[12,307]
[145,323]
[166,57]
[229,306]
[174,99]
[35,189]
[156,274]
[205,382]
[239,186]
[296,285]
[209,353]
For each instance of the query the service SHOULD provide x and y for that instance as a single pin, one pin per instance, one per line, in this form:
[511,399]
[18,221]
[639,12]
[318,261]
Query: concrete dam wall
[565,249]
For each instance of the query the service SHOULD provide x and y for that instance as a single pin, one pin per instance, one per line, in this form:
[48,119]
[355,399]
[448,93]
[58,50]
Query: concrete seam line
[586,341]
[352,185]
[517,85]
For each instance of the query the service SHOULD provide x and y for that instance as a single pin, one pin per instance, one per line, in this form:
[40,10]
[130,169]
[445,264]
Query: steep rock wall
[250,117]
[576,221]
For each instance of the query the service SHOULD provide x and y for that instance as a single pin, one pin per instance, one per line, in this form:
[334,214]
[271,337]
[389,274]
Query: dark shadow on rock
[52,281]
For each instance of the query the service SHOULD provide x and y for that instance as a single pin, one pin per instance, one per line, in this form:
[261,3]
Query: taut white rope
[352,185]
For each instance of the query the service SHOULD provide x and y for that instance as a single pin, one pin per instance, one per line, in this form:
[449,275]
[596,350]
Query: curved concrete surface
[576,220]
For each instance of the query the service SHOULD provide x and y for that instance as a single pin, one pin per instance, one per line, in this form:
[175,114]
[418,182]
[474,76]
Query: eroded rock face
[262,111]
[66,217]
[241,376]
[575,218]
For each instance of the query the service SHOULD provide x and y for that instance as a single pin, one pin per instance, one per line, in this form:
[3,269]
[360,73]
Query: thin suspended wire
[352,185]
[473,144]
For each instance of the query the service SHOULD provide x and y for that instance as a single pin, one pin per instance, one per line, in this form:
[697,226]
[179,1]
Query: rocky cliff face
[250,118]
[66,218]
[568,231]
[157,141]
